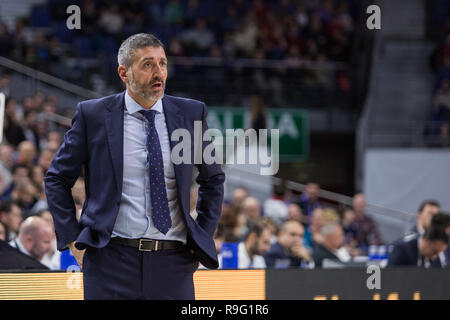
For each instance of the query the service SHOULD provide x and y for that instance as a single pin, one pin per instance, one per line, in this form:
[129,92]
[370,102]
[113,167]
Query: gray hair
[329,229]
[134,42]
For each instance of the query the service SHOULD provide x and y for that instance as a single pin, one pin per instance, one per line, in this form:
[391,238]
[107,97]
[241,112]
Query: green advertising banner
[293,125]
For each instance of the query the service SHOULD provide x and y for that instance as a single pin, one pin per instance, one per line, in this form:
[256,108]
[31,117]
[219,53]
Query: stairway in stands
[400,99]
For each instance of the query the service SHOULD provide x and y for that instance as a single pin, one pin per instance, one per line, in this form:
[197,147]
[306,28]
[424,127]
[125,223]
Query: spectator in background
[258,114]
[19,173]
[348,217]
[366,229]
[275,207]
[11,217]
[199,39]
[427,210]
[52,259]
[12,130]
[238,197]
[7,156]
[274,228]
[294,212]
[27,154]
[312,233]
[45,159]
[256,244]
[34,238]
[331,247]
[6,163]
[427,250]
[5,78]
[2,231]
[288,251]
[111,21]
[25,194]
[251,209]
[309,200]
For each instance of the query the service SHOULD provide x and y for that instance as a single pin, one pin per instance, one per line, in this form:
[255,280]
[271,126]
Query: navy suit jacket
[406,253]
[95,142]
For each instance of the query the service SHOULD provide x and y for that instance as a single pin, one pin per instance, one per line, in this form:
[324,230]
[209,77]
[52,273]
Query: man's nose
[158,70]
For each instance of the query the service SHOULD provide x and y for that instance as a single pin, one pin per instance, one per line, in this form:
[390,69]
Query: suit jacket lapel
[114,131]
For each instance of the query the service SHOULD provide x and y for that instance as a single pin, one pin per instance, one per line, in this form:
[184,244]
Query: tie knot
[149,115]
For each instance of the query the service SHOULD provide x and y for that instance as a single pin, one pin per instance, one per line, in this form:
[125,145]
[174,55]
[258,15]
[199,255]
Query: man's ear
[123,74]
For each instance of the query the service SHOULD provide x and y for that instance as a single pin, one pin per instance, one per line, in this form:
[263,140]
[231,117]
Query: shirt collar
[132,106]
[21,247]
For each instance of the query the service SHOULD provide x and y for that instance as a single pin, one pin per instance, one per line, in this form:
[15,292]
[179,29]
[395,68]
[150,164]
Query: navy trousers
[122,272]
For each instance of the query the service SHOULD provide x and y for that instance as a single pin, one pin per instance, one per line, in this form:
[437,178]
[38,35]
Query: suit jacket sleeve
[60,178]
[210,191]
[398,256]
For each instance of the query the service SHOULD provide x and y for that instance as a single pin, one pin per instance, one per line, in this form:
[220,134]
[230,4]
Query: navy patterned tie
[158,194]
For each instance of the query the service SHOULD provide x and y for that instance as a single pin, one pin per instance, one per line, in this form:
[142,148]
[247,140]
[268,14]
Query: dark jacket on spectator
[406,253]
[13,259]
[321,253]
[278,257]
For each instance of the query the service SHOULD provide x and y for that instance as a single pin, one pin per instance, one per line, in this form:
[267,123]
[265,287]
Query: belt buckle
[142,241]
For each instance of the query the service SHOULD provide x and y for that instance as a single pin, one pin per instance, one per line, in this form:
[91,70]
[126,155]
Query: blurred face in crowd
[258,245]
[47,216]
[294,212]
[27,152]
[54,136]
[20,174]
[291,234]
[45,159]
[251,208]
[334,238]
[359,204]
[13,219]
[239,195]
[424,216]
[146,78]
[431,249]
[36,236]
[317,219]
[2,232]
[25,193]
[264,241]
[348,217]
[7,155]
[312,191]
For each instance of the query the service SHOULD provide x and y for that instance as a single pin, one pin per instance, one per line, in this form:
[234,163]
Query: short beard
[134,86]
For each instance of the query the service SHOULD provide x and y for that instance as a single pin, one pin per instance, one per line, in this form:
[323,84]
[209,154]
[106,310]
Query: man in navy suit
[136,238]
[426,250]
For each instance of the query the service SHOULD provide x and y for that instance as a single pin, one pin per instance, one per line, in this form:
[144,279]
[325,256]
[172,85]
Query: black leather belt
[148,244]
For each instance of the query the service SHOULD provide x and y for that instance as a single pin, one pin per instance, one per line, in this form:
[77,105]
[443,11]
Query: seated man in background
[427,210]
[11,217]
[367,232]
[289,251]
[331,247]
[425,251]
[34,238]
[251,250]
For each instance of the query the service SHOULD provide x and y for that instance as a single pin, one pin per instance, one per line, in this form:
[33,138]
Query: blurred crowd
[296,32]
[29,144]
[300,231]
